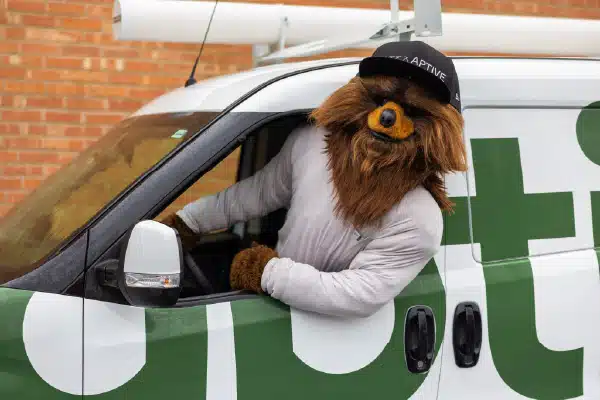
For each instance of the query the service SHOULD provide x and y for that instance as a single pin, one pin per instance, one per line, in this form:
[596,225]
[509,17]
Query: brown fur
[188,237]
[247,267]
[371,176]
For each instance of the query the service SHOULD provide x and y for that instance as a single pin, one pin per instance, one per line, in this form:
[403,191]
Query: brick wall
[64,81]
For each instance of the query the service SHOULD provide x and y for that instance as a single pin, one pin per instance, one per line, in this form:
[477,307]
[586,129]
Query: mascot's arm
[267,190]
[376,275]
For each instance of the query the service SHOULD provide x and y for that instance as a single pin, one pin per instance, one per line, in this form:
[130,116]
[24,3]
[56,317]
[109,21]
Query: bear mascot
[363,185]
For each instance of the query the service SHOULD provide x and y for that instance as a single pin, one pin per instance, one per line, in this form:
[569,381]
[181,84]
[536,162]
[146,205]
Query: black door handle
[419,339]
[466,334]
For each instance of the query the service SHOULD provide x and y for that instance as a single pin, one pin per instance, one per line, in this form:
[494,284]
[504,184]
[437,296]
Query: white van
[511,301]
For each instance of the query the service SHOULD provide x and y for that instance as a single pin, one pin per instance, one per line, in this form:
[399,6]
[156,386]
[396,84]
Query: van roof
[219,93]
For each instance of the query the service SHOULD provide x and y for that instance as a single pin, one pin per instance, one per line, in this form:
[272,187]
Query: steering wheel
[199,277]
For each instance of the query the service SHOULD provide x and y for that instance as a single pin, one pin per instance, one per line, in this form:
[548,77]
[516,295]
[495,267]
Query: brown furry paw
[248,265]
[187,236]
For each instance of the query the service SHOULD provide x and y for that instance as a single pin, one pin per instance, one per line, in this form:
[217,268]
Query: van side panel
[40,345]
[522,244]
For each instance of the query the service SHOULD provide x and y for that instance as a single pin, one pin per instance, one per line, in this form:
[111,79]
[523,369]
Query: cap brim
[392,67]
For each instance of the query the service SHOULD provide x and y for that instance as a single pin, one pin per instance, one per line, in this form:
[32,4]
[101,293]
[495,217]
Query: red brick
[7,47]
[38,157]
[12,72]
[64,88]
[11,183]
[38,20]
[87,131]
[63,62]
[104,119]
[23,87]
[6,100]
[104,12]
[37,130]
[147,94]
[84,103]
[83,24]
[8,156]
[21,170]
[65,158]
[22,143]
[50,170]
[29,61]
[20,116]
[143,66]
[76,50]
[85,76]
[15,197]
[45,75]
[124,105]
[35,48]
[68,117]
[66,9]
[131,79]
[44,102]
[168,82]
[106,91]
[64,144]
[13,170]
[26,6]
[180,69]
[15,33]
[118,53]
[9,129]
[52,35]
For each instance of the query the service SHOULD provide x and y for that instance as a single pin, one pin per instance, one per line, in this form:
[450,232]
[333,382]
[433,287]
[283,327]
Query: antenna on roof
[427,21]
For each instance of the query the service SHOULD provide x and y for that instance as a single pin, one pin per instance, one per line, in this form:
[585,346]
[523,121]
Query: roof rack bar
[427,21]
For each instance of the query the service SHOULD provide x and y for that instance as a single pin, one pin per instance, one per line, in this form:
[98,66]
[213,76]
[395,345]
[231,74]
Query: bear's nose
[387,118]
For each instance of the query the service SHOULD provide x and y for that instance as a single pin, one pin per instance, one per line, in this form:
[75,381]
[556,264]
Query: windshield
[67,200]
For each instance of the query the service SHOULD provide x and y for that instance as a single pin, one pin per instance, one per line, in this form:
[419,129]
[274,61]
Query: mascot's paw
[187,236]
[248,265]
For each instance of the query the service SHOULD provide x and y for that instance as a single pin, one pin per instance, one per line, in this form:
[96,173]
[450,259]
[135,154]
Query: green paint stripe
[504,219]
[267,366]
[175,360]
[18,379]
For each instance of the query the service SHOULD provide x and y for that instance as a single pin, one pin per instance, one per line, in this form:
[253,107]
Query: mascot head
[393,127]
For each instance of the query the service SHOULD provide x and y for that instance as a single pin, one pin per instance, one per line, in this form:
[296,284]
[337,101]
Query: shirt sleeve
[267,190]
[375,276]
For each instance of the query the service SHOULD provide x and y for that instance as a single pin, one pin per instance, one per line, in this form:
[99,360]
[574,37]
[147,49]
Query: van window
[531,182]
[66,201]
[223,175]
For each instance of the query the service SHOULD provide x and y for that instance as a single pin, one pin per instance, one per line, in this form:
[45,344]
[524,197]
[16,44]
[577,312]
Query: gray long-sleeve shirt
[324,264]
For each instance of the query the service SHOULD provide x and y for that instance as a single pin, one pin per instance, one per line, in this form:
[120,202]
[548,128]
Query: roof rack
[282,31]
[427,21]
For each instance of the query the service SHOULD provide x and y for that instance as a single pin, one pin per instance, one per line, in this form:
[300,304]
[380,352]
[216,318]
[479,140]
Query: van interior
[215,251]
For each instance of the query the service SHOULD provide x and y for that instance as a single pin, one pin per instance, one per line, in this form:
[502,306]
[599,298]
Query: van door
[245,347]
[232,345]
[521,263]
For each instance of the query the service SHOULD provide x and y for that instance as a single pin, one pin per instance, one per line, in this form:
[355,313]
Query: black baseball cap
[419,62]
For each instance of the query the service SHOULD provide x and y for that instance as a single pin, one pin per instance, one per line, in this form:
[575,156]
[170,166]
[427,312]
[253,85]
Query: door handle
[419,339]
[467,334]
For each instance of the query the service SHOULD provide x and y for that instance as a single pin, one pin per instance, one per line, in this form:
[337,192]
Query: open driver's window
[223,175]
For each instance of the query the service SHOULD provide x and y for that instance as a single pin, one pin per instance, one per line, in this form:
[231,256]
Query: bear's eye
[379,100]
[413,112]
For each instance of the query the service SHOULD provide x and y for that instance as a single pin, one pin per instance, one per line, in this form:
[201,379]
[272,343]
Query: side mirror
[150,269]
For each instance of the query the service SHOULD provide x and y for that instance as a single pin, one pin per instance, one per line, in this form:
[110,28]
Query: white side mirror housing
[151,265]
